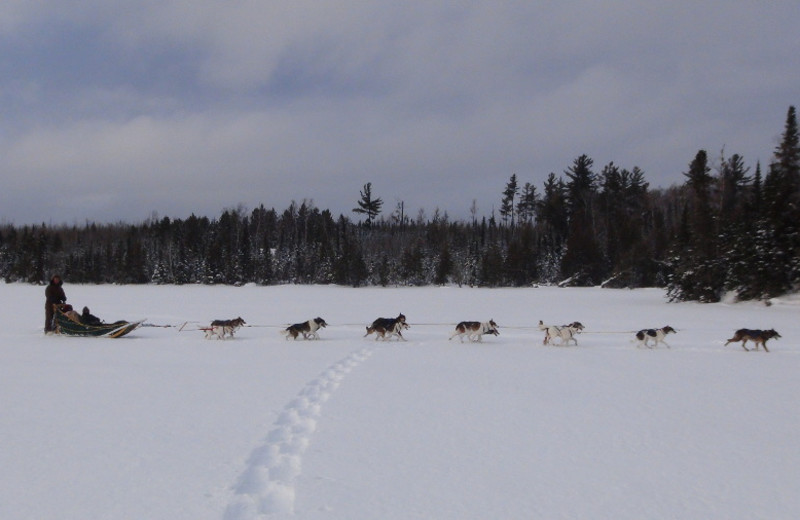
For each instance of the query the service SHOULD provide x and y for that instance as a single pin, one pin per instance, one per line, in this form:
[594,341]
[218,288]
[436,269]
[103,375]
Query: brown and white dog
[474,330]
[221,328]
[565,333]
[757,336]
[307,328]
[391,326]
[657,335]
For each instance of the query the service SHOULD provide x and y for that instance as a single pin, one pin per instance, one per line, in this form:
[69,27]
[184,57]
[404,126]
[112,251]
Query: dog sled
[69,326]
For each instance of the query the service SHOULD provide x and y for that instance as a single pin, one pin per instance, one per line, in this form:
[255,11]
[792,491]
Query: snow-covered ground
[164,424]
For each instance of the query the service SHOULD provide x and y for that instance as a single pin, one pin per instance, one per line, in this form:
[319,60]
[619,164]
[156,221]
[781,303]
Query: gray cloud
[114,110]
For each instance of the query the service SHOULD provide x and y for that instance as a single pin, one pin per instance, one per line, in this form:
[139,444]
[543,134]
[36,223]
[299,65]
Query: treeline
[724,229]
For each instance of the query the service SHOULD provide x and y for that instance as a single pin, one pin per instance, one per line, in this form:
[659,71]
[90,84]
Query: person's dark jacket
[54,293]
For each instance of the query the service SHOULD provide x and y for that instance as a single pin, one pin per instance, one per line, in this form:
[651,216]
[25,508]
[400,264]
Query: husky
[657,335]
[307,328]
[222,328]
[392,326]
[757,336]
[475,330]
[565,333]
[396,331]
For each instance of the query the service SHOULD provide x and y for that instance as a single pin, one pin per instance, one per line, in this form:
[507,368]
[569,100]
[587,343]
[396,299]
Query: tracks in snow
[267,485]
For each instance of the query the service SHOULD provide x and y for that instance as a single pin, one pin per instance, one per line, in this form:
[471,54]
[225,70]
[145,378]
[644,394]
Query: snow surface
[164,424]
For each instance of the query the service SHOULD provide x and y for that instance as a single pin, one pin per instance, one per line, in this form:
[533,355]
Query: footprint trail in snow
[267,485]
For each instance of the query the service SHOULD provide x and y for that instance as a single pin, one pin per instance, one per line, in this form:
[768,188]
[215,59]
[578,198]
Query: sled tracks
[267,485]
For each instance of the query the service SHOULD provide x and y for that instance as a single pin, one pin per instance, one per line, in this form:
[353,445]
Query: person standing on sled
[54,295]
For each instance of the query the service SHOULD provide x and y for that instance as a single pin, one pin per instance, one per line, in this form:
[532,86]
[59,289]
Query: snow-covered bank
[166,425]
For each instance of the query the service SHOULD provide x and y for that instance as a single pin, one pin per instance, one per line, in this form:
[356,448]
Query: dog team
[386,328]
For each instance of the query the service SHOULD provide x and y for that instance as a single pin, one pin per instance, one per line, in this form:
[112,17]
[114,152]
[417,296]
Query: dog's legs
[744,342]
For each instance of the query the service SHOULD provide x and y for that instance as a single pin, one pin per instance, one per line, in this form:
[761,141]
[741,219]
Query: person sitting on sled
[87,318]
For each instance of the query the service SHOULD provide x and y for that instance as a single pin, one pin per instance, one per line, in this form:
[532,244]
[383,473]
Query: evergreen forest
[729,227]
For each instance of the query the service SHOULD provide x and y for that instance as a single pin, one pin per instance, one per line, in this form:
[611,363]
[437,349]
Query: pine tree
[367,205]
[698,272]
[781,194]
[583,260]
[526,207]
[507,204]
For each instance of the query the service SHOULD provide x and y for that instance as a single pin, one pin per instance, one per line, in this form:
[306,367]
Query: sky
[125,110]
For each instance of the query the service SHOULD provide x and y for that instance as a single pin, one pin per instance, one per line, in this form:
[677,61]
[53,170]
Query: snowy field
[163,424]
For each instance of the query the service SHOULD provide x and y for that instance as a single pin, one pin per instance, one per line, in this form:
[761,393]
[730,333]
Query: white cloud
[436,103]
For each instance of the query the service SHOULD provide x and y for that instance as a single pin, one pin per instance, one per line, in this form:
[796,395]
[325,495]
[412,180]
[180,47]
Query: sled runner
[69,327]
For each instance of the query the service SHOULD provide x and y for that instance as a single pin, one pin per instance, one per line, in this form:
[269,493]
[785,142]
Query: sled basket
[68,327]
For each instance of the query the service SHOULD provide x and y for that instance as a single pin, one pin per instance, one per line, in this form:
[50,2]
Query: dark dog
[308,329]
[757,336]
[392,326]
[657,335]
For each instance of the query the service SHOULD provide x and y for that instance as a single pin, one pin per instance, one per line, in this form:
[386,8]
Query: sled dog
[391,326]
[222,328]
[396,331]
[215,332]
[307,328]
[474,330]
[657,335]
[757,336]
[565,333]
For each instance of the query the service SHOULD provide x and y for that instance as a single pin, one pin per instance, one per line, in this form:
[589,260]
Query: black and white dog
[391,326]
[307,328]
[474,330]
[657,335]
[565,333]
[395,331]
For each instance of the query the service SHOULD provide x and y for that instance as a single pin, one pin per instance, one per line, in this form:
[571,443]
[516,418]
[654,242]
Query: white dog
[565,333]
[216,332]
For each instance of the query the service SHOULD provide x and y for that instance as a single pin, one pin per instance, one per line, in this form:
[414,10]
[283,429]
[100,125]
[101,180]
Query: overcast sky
[113,110]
